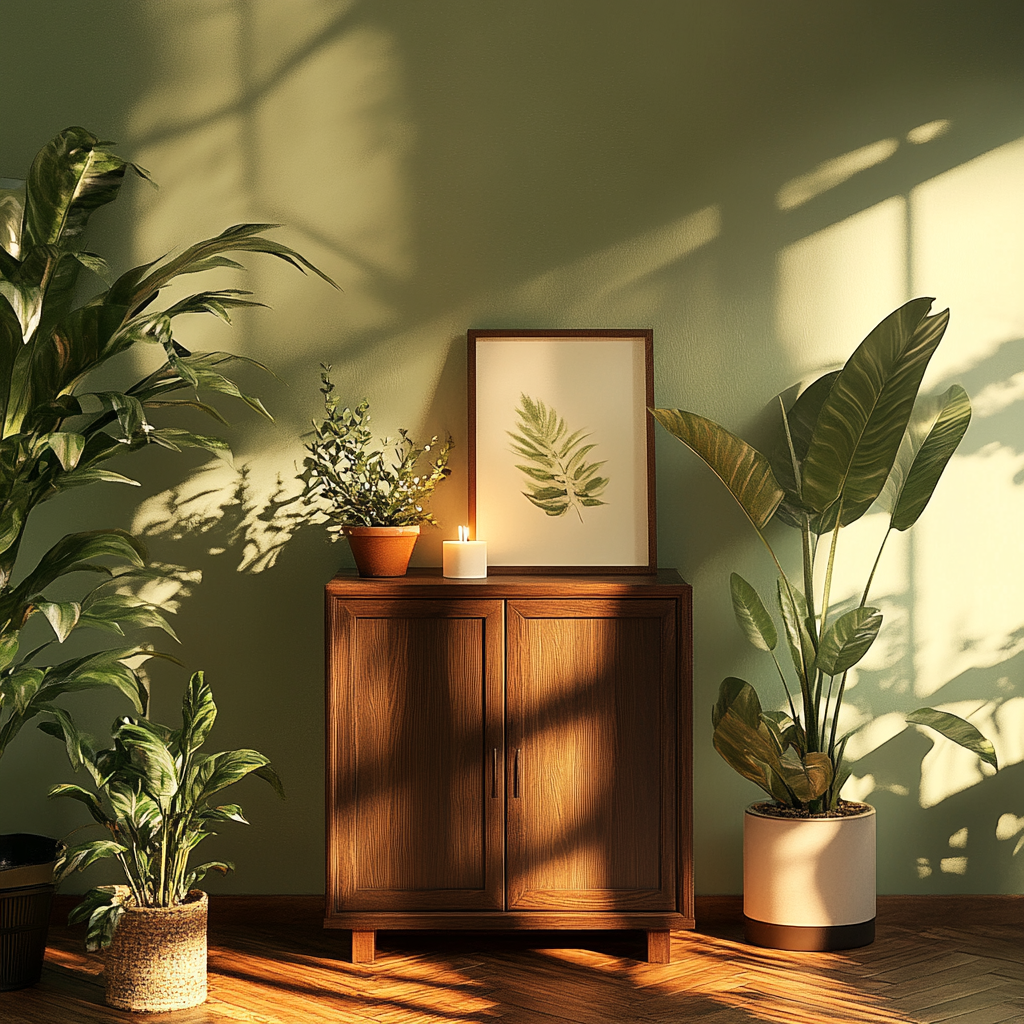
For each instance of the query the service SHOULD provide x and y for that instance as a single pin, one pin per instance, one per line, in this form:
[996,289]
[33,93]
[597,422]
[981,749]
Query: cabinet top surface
[430,583]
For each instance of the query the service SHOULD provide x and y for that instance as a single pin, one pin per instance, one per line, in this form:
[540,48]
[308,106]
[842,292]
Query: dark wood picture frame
[643,539]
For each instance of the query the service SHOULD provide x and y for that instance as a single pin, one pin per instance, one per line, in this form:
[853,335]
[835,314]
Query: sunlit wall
[759,182]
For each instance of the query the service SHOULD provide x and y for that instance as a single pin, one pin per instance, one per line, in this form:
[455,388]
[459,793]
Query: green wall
[750,178]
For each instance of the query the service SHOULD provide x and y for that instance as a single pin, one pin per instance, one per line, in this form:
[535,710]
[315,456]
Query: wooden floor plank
[271,962]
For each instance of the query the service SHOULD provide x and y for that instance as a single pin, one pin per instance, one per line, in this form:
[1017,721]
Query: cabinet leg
[659,947]
[364,947]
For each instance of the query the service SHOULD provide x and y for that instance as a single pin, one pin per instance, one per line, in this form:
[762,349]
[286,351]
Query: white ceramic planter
[809,883]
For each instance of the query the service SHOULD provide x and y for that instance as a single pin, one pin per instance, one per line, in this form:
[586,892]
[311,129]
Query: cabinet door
[592,780]
[415,755]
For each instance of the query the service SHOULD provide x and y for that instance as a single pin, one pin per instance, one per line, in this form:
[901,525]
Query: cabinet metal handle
[494,773]
[515,774]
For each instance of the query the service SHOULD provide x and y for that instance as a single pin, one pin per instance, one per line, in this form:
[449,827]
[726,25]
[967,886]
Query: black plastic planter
[26,893]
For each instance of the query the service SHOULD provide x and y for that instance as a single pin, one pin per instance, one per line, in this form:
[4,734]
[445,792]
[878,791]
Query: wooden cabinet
[507,753]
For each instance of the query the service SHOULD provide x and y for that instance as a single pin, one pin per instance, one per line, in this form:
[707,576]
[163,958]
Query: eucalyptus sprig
[349,482]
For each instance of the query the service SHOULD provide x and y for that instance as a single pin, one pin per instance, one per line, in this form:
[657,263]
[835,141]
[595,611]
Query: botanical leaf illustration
[559,477]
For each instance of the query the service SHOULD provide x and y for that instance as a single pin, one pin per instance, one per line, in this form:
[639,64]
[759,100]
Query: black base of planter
[808,939]
[24,920]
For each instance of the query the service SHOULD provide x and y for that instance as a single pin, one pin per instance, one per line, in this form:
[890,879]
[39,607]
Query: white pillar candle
[464,559]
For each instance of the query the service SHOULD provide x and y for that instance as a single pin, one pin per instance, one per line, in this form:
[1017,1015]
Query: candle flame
[463,533]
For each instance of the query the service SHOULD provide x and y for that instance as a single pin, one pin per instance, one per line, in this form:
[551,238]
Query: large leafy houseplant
[156,793]
[349,481]
[56,433]
[855,437]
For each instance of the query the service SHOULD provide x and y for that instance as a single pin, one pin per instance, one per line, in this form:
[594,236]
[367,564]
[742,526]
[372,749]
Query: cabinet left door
[415,755]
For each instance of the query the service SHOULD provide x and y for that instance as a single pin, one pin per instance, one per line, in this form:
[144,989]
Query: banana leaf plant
[56,433]
[154,792]
[854,438]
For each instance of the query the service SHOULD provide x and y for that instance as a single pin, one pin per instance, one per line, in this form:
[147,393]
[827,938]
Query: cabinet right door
[592,690]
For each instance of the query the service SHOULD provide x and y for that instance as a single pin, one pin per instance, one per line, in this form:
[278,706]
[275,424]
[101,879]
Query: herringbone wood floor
[955,959]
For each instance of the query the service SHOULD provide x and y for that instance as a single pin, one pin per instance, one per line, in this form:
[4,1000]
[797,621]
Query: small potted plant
[156,795]
[854,437]
[375,496]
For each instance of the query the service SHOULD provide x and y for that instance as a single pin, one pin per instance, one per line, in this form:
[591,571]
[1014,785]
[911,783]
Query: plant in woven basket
[349,482]
[58,433]
[154,792]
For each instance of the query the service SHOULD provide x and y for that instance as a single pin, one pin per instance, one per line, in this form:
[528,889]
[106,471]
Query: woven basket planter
[157,960]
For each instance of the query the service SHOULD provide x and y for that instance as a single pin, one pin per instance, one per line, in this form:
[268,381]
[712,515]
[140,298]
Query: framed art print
[561,450]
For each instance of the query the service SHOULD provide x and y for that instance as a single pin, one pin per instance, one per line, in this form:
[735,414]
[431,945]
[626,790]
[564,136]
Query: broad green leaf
[10,528]
[77,858]
[153,760]
[128,409]
[742,468]
[11,344]
[176,439]
[808,777]
[9,643]
[115,611]
[269,775]
[956,729]
[225,812]
[790,733]
[66,445]
[70,178]
[801,418]
[77,551]
[102,909]
[107,668]
[83,796]
[62,616]
[218,771]
[63,727]
[739,697]
[94,262]
[198,713]
[202,870]
[215,302]
[21,686]
[861,422]
[81,477]
[793,606]
[12,211]
[745,741]
[928,445]
[847,640]
[209,253]
[751,614]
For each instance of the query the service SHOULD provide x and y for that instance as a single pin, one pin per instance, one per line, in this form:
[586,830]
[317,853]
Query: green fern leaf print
[558,475]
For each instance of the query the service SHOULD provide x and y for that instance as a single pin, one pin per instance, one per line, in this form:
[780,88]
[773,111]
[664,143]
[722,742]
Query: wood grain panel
[592,755]
[415,719]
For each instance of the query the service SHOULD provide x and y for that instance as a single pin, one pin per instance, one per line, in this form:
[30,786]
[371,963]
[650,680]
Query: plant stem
[878,558]
[835,720]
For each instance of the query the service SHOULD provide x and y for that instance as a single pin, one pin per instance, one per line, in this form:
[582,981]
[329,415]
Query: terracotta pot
[809,883]
[382,550]
[157,960]
[26,892]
